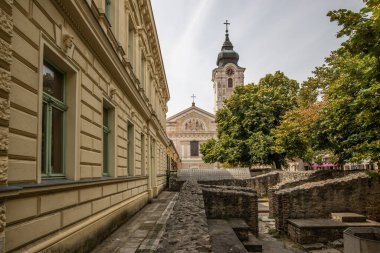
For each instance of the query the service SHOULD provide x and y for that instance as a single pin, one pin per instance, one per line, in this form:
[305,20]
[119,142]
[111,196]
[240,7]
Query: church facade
[193,126]
[188,130]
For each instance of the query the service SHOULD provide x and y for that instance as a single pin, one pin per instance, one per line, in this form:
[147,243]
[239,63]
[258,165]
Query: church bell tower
[228,74]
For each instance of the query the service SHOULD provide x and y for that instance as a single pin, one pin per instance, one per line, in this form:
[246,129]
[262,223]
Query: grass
[372,173]
[273,232]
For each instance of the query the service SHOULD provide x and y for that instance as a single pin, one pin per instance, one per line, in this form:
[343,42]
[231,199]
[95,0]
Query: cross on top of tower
[193,96]
[227,24]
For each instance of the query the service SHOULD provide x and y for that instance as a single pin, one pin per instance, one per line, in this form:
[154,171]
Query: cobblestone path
[143,230]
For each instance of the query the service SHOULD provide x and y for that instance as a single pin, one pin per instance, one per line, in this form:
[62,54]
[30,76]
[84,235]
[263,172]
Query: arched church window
[230,83]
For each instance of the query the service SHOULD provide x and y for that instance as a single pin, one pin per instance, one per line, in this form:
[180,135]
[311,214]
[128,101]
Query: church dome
[227,53]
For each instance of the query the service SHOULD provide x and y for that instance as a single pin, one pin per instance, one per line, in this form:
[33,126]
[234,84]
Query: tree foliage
[351,120]
[295,136]
[336,111]
[246,121]
[348,123]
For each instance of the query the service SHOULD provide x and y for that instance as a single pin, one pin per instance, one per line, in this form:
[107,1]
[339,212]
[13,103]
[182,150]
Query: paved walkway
[143,230]
[269,242]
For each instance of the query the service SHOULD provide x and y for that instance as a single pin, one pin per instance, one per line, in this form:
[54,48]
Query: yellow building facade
[83,107]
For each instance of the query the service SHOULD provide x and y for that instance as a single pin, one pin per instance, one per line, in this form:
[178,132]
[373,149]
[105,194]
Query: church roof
[227,53]
[191,108]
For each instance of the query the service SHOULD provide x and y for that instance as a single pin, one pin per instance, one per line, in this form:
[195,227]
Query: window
[107,9]
[142,71]
[230,83]
[152,157]
[142,155]
[53,117]
[109,132]
[194,148]
[106,140]
[131,36]
[130,154]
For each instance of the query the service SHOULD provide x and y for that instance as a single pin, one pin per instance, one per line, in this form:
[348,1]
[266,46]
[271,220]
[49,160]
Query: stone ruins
[280,211]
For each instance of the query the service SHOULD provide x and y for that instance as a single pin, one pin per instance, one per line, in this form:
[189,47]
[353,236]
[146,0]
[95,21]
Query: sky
[293,36]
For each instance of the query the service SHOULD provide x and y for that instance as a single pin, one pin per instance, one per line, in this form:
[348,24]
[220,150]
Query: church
[193,126]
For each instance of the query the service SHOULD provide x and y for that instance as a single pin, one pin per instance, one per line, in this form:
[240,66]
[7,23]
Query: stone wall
[357,193]
[260,183]
[176,185]
[223,202]
[293,179]
[6,34]
[314,235]
[187,229]
[287,176]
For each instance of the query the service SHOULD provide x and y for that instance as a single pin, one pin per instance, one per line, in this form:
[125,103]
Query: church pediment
[191,120]
[192,110]
[194,124]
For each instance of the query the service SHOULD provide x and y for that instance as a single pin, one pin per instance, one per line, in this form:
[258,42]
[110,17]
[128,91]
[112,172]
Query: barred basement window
[53,118]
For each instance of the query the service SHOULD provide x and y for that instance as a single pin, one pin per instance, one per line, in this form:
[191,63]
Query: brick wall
[223,202]
[357,193]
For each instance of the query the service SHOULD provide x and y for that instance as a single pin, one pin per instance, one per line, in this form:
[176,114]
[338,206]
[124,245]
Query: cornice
[156,50]
[82,18]
[188,110]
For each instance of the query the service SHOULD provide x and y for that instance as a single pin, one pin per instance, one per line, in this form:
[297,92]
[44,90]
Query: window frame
[142,151]
[131,149]
[107,9]
[131,44]
[106,141]
[52,102]
[111,139]
[192,144]
[230,83]
[53,55]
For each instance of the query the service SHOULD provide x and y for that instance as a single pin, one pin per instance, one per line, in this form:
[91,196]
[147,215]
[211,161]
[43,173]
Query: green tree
[246,121]
[350,124]
[295,136]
